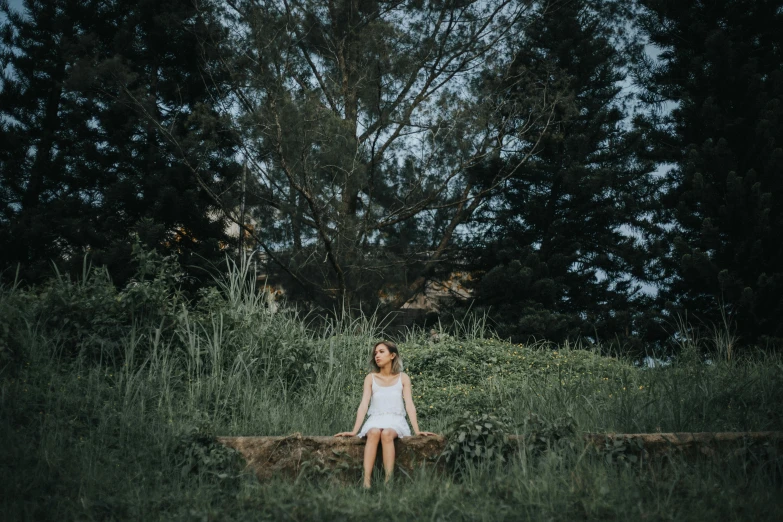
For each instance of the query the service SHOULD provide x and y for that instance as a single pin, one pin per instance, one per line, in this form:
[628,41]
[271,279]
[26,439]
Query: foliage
[390,143]
[622,450]
[92,317]
[474,439]
[457,375]
[12,316]
[91,94]
[722,204]
[86,312]
[361,136]
[540,435]
[132,436]
[197,452]
[374,132]
[559,248]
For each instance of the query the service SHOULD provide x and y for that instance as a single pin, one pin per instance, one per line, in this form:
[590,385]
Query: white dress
[387,409]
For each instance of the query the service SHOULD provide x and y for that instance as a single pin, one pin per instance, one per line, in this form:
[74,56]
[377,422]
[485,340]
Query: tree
[561,244]
[360,129]
[91,93]
[720,68]
[43,129]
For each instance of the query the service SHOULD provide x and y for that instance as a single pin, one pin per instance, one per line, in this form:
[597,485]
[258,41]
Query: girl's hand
[426,434]
[346,434]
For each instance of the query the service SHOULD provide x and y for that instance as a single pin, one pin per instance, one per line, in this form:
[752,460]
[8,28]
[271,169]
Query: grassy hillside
[109,400]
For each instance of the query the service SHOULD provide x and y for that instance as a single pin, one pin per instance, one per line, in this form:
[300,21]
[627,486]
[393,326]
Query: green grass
[102,421]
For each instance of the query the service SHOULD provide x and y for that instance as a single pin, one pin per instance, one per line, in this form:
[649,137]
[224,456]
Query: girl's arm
[407,394]
[362,411]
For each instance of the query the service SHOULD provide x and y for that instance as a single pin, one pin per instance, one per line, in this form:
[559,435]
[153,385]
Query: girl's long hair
[396,362]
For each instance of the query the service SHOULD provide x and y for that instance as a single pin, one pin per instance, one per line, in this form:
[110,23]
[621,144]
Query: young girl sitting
[387,386]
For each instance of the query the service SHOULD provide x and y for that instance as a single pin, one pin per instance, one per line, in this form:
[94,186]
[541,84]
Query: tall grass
[106,436]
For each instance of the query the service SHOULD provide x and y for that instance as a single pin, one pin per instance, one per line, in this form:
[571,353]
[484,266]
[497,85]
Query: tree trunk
[42,165]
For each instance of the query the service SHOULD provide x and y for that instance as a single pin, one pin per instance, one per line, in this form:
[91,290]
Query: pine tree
[92,94]
[720,67]
[169,150]
[560,247]
[47,146]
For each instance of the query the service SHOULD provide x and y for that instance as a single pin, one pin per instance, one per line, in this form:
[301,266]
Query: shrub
[540,435]
[198,453]
[90,317]
[476,439]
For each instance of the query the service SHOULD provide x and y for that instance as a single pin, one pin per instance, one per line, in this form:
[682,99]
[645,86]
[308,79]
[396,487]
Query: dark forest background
[601,168]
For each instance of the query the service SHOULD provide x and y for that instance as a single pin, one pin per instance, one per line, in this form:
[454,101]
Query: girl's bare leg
[370,451]
[387,442]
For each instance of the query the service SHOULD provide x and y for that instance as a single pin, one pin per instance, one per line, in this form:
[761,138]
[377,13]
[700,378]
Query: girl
[387,386]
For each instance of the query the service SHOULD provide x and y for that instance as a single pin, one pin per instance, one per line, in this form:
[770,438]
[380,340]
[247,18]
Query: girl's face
[383,356]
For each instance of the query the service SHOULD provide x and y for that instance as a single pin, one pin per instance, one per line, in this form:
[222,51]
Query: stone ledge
[689,443]
[293,454]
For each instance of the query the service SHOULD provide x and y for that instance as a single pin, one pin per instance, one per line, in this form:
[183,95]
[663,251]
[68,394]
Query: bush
[198,453]
[541,435]
[89,317]
[476,439]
